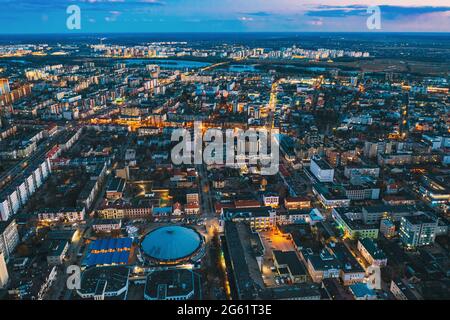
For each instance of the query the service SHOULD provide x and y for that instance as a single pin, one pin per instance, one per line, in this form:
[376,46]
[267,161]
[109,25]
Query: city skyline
[224,153]
[100,16]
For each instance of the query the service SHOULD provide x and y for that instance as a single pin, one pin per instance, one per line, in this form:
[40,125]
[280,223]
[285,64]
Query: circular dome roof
[171,243]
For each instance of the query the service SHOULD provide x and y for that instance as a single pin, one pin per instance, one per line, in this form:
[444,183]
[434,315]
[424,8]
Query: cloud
[206,15]
[387,11]
[258,14]
[392,12]
[102,1]
[86,5]
[153,2]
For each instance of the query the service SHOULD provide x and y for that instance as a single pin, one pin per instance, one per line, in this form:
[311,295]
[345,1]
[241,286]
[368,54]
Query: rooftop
[321,163]
[372,247]
[361,290]
[419,219]
[171,243]
[299,290]
[116,278]
[172,283]
[230,213]
[291,260]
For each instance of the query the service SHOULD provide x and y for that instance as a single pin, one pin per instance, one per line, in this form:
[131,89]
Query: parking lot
[273,240]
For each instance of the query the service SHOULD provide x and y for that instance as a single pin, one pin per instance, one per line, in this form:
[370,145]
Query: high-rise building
[9,237]
[4,86]
[417,230]
[4,277]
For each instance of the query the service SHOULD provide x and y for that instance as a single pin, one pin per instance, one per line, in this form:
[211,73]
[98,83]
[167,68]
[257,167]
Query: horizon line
[224,32]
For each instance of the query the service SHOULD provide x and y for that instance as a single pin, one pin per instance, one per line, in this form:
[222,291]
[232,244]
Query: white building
[321,169]
[102,283]
[9,238]
[271,200]
[17,193]
[58,214]
[5,209]
[107,225]
[4,277]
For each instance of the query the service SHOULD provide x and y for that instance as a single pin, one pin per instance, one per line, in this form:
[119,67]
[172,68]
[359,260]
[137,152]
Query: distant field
[436,68]
[396,65]
[432,67]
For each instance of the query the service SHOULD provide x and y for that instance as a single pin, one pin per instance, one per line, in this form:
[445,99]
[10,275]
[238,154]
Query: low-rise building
[362,192]
[57,250]
[61,214]
[115,189]
[192,208]
[295,203]
[321,169]
[298,291]
[371,252]
[349,220]
[435,190]
[401,291]
[271,200]
[172,284]
[362,170]
[192,197]
[293,216]
[100,283]
[361,291]
[322,266]
[260,218]
[107,225]
[124,211]
[373,214]
[350,270]
[331,195]
[387,228]
[288,264]
[241,258]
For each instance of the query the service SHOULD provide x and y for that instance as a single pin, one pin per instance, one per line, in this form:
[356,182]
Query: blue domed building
[172,245]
